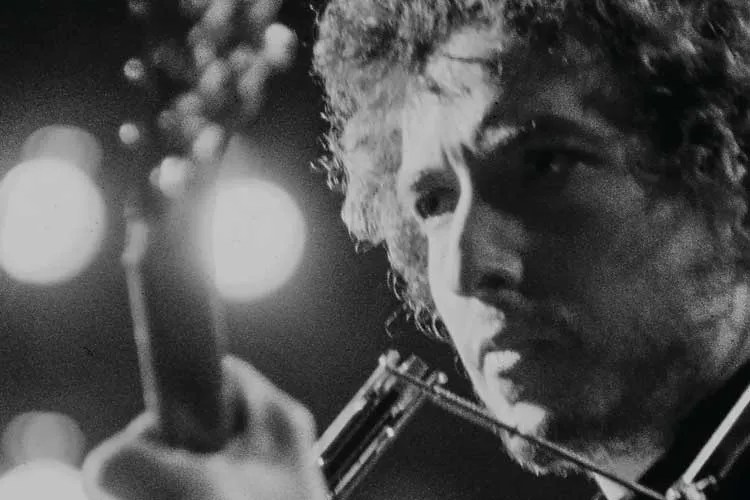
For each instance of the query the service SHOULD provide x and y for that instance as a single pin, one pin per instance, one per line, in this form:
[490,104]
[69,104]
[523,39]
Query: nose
[484,249]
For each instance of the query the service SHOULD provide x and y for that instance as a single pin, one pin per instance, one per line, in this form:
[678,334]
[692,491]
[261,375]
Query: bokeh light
[254,236]
[75,145]
[39,435]
[52,220]
[42,480]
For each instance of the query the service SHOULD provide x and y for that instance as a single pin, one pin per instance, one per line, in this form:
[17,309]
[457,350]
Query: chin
[539,421]
[531,419]
[534,459]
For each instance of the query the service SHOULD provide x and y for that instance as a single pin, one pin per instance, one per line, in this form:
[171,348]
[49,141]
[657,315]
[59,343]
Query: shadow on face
[571,297]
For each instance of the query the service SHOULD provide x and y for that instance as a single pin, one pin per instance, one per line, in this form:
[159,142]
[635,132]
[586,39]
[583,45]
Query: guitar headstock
[204,70]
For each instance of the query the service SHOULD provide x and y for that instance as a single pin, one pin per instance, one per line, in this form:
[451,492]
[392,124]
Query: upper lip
[510,302]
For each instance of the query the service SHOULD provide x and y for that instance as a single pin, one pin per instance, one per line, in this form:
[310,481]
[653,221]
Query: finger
[276,426]
[134,465]
[102,478]
[292,427]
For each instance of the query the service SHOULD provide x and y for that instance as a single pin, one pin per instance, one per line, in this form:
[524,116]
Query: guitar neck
[176,318]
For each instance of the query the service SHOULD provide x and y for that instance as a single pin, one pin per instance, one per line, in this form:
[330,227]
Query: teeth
[501,360]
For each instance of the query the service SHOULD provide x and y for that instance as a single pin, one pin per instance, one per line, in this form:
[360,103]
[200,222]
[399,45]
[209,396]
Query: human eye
[434,202]
[429,193]
[550,168]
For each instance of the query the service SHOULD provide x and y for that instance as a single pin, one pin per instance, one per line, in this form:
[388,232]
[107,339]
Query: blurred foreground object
[44,449]
[41,435]
[52,215]
[42,480]
[255,235]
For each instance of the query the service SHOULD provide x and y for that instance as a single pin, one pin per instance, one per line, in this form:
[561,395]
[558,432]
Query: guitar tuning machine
[135,71]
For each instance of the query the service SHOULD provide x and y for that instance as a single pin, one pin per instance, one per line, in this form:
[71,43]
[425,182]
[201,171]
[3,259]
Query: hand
[269,458]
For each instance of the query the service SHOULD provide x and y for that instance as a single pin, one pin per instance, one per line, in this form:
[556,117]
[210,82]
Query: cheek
[622,316]
[435,281]
[645,302]
[445,300]
[449,307]
[458,313]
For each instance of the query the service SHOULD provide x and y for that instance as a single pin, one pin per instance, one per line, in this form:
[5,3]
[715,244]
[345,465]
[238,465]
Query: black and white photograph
[374,250]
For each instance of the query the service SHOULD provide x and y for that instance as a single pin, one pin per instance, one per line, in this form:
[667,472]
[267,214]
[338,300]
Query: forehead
[478,88]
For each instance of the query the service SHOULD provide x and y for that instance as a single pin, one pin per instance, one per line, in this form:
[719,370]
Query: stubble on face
[654,337]
[654,304]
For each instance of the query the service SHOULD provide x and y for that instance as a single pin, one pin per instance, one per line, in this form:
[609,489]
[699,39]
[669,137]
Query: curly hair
[691,58]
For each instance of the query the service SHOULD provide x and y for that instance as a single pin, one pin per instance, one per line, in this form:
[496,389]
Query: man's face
[580,311]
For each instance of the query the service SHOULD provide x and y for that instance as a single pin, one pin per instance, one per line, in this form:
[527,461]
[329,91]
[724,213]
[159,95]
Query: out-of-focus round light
[64,142]
[280,45]
[42,480]
[171,176]
[129,134]
[41,435]
[254,237]
[52,221]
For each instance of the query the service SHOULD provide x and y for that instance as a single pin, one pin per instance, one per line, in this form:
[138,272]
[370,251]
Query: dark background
[69,348]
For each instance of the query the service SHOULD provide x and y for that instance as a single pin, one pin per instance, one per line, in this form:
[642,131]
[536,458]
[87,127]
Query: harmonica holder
[377,413]
[371,421]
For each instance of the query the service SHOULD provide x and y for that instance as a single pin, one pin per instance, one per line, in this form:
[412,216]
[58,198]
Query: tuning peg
[135,71]
[216,85]
[251,87]
[209,144]
[217,24]
[131,135]
[172,176]
[243,57]
[279,46]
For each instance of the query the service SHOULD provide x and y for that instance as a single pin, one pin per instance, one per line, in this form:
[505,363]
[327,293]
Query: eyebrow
[547,124]
[560,128]
[433,84]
